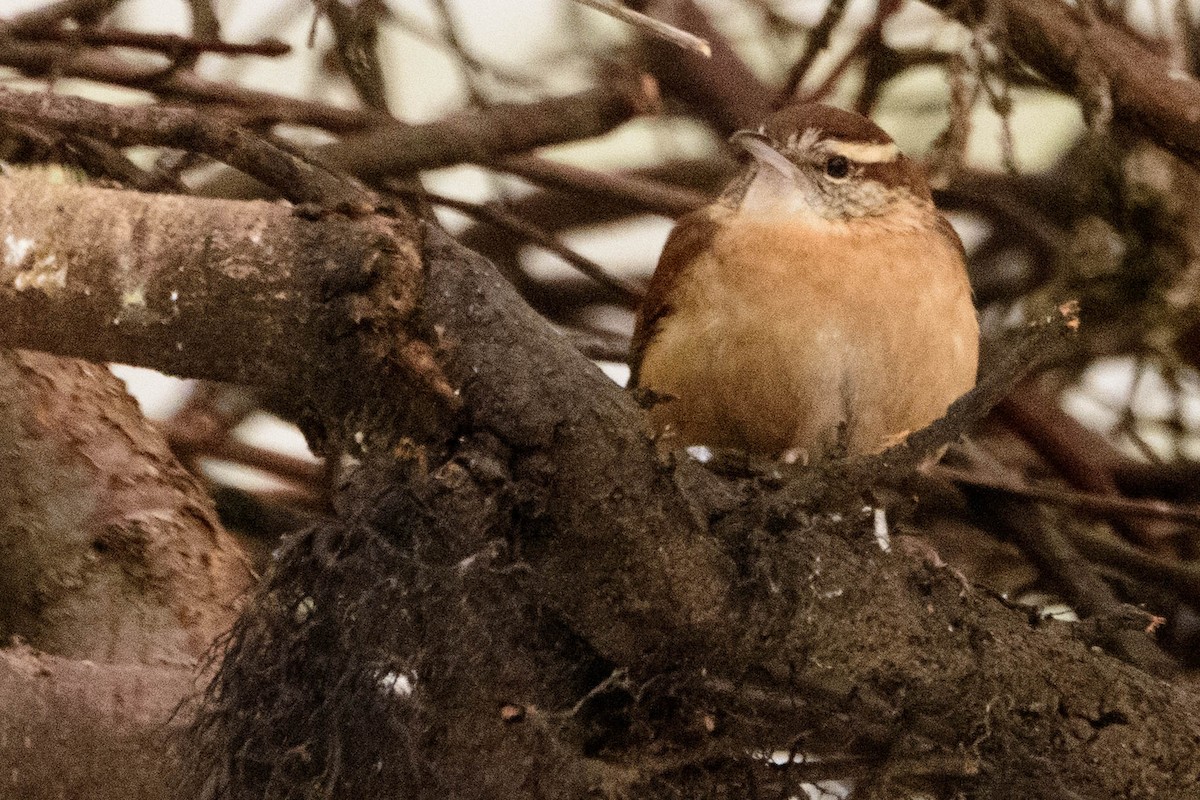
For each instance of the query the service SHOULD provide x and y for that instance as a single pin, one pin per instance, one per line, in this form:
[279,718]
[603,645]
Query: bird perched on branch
[821,301]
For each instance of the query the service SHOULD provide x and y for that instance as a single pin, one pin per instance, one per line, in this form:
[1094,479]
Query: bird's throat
[767,191]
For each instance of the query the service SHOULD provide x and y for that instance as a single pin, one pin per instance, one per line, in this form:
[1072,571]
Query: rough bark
[71,728]
[112,551]
[117,579]
[253,293]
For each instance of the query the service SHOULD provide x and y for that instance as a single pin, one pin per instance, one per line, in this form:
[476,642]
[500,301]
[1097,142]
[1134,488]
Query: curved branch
[292,175]
[1087,56]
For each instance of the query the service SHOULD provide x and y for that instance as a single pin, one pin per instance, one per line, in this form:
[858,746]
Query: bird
[820,305]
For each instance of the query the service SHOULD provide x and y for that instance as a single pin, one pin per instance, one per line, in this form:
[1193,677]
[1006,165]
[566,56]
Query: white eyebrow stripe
[864,152]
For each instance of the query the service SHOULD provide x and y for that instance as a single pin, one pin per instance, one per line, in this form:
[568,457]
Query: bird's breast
[785,338]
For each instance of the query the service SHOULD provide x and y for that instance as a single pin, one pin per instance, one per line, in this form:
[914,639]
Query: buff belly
[769,352]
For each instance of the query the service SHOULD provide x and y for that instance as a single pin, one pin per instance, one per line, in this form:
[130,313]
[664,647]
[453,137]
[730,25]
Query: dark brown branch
[355,29]
[1100,504]
[588,197]
[1083,455]
[295,178]
[475,135]
[1056,40]
[60,60]
[169,44]
[453,40]
[411,25]
[603,446]
[98,159]
[722,89]
[1068,571]
[1182,576]
[205,24]
[1050,547]
[869,41]
[599,345]
[638,192]
[814,45]
[203,428]
[1085,458]
[298,470]
[479,135]
[988,195]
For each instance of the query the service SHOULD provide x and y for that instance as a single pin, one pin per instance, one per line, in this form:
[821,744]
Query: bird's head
[831,164]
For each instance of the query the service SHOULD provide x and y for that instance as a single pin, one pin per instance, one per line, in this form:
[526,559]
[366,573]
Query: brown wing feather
[947,232]
[692,235]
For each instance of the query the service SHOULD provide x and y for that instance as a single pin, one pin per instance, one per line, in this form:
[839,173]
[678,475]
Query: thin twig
[1110,68]
[205,25]
[418,30]
[640,192]
[814,45]
[1050,547]
[168,43]
[454,40]
[652,26]
[59,60]
[1102,504]
[96,157]
[599,345]
[870,39]
[622,290]
[1182,576]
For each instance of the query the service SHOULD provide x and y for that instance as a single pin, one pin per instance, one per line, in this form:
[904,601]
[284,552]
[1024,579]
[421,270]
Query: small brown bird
[821,300]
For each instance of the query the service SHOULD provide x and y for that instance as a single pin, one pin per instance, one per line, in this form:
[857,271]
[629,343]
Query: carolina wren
[821,300]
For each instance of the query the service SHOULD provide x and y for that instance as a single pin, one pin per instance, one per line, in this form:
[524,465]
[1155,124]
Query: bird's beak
[760,147]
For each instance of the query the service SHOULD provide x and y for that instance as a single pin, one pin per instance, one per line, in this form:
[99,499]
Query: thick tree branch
[247,293]
[797,606]
[215,289]
[638,589]
[113,551]
[80,729]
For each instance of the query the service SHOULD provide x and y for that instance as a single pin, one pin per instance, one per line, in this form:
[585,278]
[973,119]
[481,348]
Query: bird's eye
[837,167]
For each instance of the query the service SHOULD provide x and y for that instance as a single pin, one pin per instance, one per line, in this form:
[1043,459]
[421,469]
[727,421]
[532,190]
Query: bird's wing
[947,232]
[692,235]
